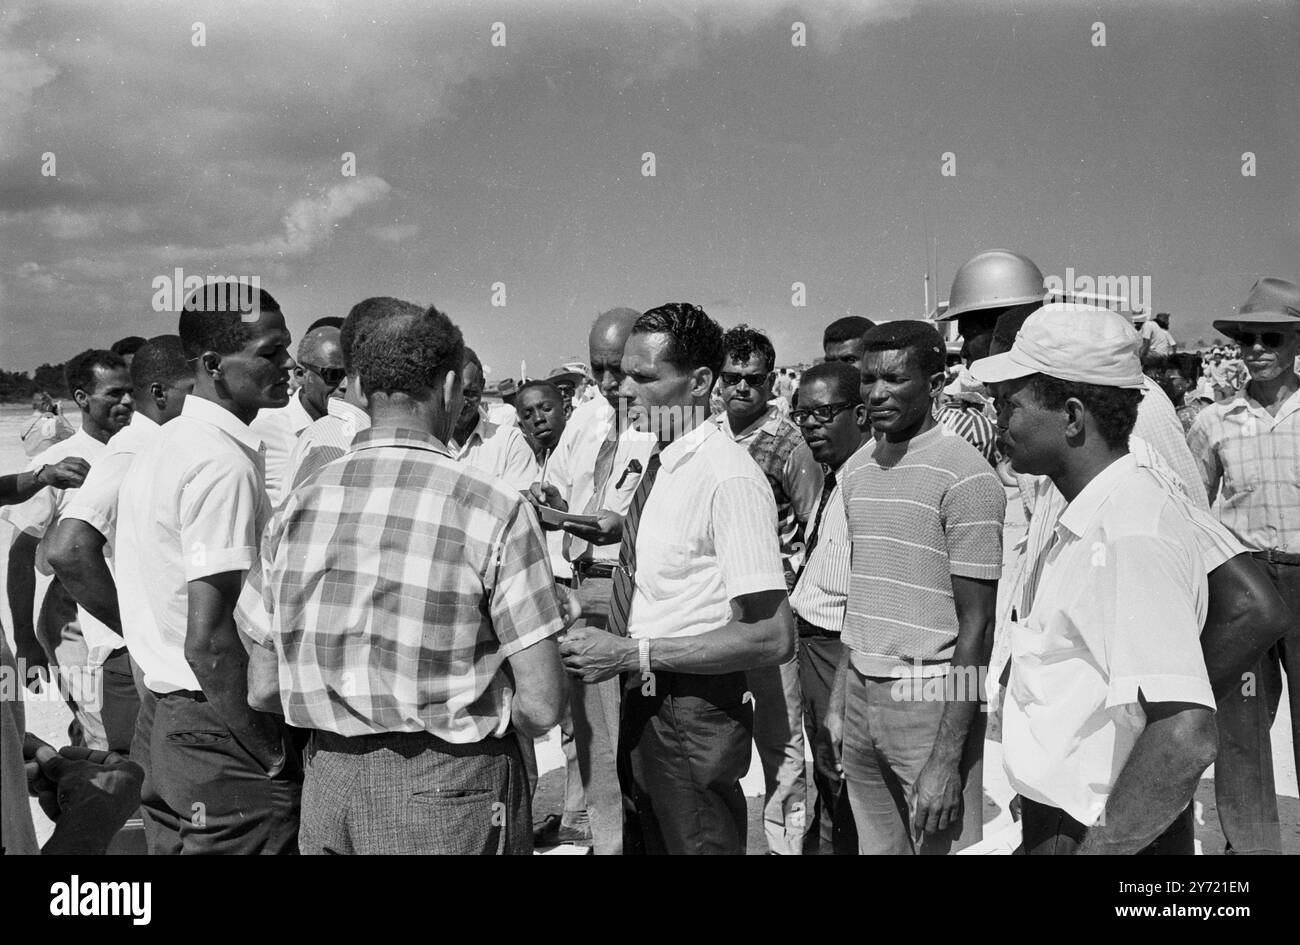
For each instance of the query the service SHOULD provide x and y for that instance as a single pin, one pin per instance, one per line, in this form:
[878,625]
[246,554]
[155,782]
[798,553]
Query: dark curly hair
[1115,409]
[696,338]
[742,341]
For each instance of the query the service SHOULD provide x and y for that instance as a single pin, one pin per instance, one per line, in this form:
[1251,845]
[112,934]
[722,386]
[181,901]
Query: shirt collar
[1078,515]
[142,423]
[769,423]
[402,438]
[338,407]
[200,408]
[1242,400]
[677,452]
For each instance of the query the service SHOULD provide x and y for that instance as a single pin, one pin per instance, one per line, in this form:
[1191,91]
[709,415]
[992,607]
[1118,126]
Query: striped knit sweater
[919,513]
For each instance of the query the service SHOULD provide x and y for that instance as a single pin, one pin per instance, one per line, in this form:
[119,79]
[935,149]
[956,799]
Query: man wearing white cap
[1109,716]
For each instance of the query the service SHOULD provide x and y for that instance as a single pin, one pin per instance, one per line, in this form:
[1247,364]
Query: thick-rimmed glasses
[823,414]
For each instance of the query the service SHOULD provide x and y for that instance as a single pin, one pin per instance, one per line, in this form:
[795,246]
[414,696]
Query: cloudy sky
[522,164]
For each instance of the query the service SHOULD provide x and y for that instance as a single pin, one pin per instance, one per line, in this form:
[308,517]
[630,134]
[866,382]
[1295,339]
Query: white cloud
[395,232]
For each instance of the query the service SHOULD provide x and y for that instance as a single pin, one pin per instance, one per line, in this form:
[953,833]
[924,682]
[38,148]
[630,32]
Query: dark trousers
[831,829]
[684,744]
[1050,831]
[121,703]
[215,795]
[1244,788]
[412,792]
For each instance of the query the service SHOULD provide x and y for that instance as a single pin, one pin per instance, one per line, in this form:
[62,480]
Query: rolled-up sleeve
[219,519]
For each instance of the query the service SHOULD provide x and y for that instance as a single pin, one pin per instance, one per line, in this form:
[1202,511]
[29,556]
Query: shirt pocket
[1241,458]
[665,569]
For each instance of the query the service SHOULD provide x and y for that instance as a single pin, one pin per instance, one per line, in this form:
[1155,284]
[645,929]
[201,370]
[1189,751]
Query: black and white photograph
[637,427]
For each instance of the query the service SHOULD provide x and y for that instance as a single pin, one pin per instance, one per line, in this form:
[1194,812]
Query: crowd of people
[333,616]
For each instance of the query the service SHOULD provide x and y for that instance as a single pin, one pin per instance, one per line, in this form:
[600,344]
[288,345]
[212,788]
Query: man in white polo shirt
[190,516]
[1109,717]
[699,598]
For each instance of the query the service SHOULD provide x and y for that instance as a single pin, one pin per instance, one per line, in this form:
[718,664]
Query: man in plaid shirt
[412,615]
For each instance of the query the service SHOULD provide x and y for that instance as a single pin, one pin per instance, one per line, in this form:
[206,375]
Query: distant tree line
[16,386]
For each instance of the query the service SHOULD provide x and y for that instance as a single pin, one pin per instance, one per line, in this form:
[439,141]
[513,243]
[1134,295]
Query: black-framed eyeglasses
[1271,339]
[823,414]
[332,376]
[733,378]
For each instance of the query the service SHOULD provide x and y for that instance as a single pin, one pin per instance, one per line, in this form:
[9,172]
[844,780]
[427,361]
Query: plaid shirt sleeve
[521,588]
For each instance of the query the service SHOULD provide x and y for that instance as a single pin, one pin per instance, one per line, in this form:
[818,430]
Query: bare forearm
[84,572]
[1158,781]
[21,586]
[730,648]
[17,488]
[1246,616]
[963,694]
[220,663]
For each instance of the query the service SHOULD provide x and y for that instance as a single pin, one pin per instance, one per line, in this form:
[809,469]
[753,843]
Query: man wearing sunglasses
[1248,449]
[752,420]
[321,376]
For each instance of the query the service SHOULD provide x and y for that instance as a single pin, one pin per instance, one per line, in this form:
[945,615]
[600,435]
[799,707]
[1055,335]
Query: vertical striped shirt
[707,535]
[1251,459]
[919,513]
[968,421]
[822,591]
[325,440]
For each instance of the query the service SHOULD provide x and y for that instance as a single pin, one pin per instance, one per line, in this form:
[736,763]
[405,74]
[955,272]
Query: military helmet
[996,278]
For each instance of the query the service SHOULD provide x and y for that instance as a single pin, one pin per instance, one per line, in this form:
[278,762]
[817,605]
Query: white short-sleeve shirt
[278,428]
[193,504]
[707,535]
[1119,609]
[42,512]
[573,467]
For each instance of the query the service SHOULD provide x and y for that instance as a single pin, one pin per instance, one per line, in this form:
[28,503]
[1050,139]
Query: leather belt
[807,629]
[590,568]
[1273,556]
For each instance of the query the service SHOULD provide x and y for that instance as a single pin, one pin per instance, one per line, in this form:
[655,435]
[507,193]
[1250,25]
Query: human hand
[68,473]
[594,655]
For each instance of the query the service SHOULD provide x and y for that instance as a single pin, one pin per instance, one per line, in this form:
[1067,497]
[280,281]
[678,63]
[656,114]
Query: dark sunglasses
[332,376]
[824,414]
[1271,339]
[732,379]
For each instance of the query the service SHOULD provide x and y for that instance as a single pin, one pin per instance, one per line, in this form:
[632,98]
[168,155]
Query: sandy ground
[49,719]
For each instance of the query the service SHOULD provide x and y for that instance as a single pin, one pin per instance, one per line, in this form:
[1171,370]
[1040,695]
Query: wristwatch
[39,473]
[643,655]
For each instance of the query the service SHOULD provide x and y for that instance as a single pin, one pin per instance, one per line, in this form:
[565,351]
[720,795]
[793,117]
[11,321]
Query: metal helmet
[996,278]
